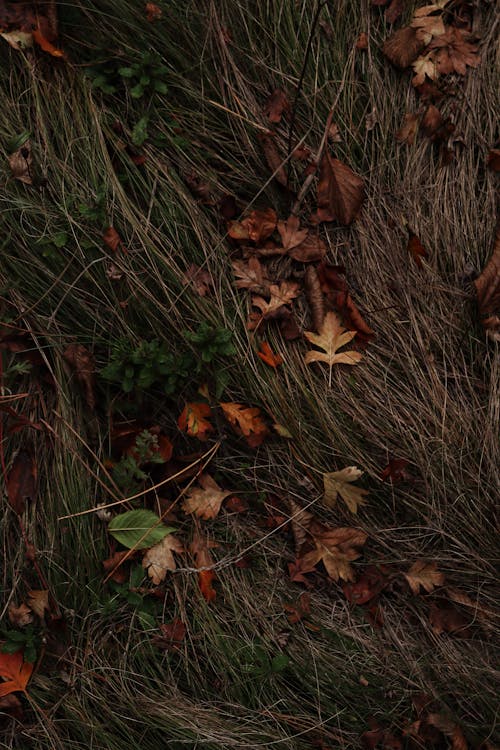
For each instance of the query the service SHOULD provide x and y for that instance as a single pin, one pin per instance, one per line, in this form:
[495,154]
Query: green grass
[427,390]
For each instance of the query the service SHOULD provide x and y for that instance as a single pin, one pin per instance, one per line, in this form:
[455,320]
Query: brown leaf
[494,159]
[200,279]
[311,250]
[205,501]
[276,105]
[301,610]
[39,602]
[408,130]
[20,163]
[171,636]
[402,47]
[368,587]
[199,187]
[290,234]
[112,239]
[336,548]
[362,41]
[454,52]
[424,574]
[331,337]
[246,421]
[274,159]
[300,522]
[488,292]
[314,297]
[19,616]
[424,67]
[153,12]
[445,617]
[251,275]
[426,24]
[267,355]
[395,470]
[394,10]
[114,562]
[450,729]
[10,705]
[416,249]
[159,558]
[280,296]
[200,548]
[340,192]
[257,226]
[193,420]
[352,318]
[83,363]
[21,481]
[339,483]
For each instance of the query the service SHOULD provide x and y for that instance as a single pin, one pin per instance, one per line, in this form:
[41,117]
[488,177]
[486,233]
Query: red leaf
[15,671]
[267,355]
[395,470]
[416,249]
[112,239]
[21,481]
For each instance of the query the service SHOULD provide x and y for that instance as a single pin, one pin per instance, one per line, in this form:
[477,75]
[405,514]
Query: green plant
[29,639]
[151,363]
[132,593]
[212,342]
[146,76]
[128,473]
[97,210]
[257,663]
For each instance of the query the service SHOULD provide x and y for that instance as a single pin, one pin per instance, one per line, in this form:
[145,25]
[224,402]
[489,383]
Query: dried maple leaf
[290,234]
[246,421]
[445,617]
[336,548]
[83,363]
[331,337]
[257,226]
[15,672]
[280,296]
[408,130]
[402,47]
[20,163]
[300,522]
[297,613]
[159,558]
[171,635]
[267,355]
[251,275]
[19,616]
[193,420]
[373,581]
[426,24]
[340,483]
[341,192]
[450,729]
[200,548]
[153,12]
[21,481]
[200,279]
[424,574]
[424,66]
[205,501]
[395,470]
[488,292]
[454,52]
[276,105]
[416,249]
[38,600]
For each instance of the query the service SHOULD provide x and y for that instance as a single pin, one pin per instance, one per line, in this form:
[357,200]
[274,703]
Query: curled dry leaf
[20,163]
[488,292]
[112,239]
[267,355]
[251,275]
[454,51]
[408,130]
[402,47]
[83,363]
[336,548]
[424,574]
[426,24]
[153,12]
[193,420]
[171,636]
[341,192]
[447,726]
[416,249]
[300,522]
[395,470]
[159,558]
[205,501]
[340,483]
[276,105]
[257,226]
[280,297]
[246,421]
[315,297]
[19,616]
[39,602]
[21,481]
[331,337]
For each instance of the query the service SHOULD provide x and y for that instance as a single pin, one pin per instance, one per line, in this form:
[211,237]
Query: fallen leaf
[10,705]
[367,587]
[488,292]
[251,275]
[20,163]
[246,421]
[340,192]
[362,41]
[408,130]
[200,548]
[376,737]
[15,671]
[416,249]
[19,616]
[424,66]
[199,278]
[445,617]
[352,317]
[46,45]
[310,250]
[205,501]
[298,571]
[280,296]
[112,239]
[394,10]
[21,481]
[334,133]
[424,574]
[302,609]
[257,226]
[193,420]
[300,521]
[83,363]
[455,52]
[331,337]
[450,729]
[336,548]
[171,635]
[290,234]
[153,12]
[39,602]
[276,105]
[18,40]
[395,470]
[267,355]
[402,47]
[274,160]
[340,483]
[314,295]
[426,24]
[113,563]
[159,559]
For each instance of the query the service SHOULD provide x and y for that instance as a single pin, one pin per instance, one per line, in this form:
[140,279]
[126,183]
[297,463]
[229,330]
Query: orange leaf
[416,249]
[112,239]
[15,671]
[45,45]
[246,421]
[268,356]
[153,12]
[192,420]
[200,547]
[257,226]
[205,578]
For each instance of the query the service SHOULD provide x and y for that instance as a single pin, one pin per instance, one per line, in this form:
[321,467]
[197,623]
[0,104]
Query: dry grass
[428,389]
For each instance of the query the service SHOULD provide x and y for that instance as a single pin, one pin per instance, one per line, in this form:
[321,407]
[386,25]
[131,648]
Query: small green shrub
[212,342]
[29,639]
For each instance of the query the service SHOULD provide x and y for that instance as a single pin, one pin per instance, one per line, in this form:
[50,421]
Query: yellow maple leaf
[340,483]
[336,548]
[331,337]
[425,574]
[205,501]
[159,558]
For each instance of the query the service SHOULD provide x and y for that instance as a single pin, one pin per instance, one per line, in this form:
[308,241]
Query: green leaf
[138,529]
[147,620]
[15,143]
[279,663]
[126,72]
[10,647]
[140,131]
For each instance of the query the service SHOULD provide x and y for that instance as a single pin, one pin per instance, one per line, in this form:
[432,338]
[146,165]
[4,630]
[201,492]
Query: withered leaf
[159,558]
[38,601]
[339,483]
[171,635]
[193,420]
[336,548]
[267,355]
[341,192]
[15,671]
[331,337]
[257,226]
[402,47]
[83,363]
[246,421]
[19,616]
[455,52]
[280,296]
[416,249]
[408,130]
[21,481]
[276,105]
[424,66]
[251,275]
[274,161]
[200,548]
[200,278]
[424,574]
[112,239]
[205,501]
[153,12]
[488,292]
[450,729]
[20,163]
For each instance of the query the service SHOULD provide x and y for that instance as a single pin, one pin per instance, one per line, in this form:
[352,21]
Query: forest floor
[249,374]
